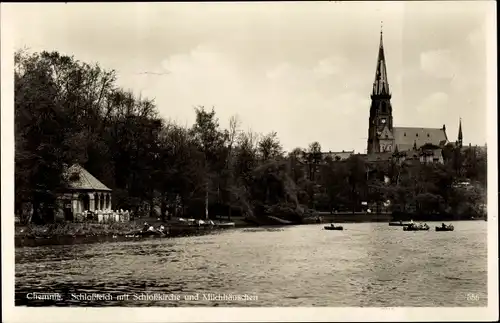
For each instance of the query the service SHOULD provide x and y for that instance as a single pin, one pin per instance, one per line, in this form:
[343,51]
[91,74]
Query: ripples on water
[367,264]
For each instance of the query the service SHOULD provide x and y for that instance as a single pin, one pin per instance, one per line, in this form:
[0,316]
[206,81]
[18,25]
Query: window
[404,134]
[428,135]
[386,136]
[417,134]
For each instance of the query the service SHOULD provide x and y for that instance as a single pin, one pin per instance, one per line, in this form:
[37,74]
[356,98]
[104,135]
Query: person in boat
[145,227]
[151,228]
[443,225]
[161,229]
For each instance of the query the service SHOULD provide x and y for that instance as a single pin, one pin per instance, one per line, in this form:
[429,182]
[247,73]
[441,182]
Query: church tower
[380,135]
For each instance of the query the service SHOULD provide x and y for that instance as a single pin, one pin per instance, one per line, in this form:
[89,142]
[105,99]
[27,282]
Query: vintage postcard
[267,161]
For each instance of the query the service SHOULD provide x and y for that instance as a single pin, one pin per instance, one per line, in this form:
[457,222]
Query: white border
[121,314]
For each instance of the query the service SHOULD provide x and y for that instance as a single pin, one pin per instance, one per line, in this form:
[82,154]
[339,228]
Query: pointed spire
[396,151]
[381,84]
[460,136]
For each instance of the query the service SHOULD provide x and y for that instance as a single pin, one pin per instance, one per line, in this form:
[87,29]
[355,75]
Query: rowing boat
[446,228]
[331,227]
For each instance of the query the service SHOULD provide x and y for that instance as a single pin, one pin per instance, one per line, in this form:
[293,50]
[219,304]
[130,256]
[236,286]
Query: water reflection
[364,265]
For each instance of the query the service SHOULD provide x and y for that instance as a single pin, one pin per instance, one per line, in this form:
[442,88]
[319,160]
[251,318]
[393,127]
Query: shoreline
[86,233]
[83,233]
[72,229]
[86,229]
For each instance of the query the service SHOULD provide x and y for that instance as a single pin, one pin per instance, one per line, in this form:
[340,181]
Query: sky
[304,70]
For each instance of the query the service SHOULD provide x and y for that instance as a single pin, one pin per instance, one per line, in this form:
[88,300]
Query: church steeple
[460,136]
[381,84]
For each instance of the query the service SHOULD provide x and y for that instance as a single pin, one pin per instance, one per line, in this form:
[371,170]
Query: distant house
[84,193]
[431,154]
[426,154]
[338,155]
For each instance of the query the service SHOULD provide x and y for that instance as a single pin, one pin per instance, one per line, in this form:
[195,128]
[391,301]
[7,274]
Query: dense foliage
[70,112]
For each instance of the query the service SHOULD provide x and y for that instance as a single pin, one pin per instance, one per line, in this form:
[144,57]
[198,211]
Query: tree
[41,141]
[211,142]
[314,158]
[67,111]
[297,161]
[227,174]
[357,179]
[270,147]
[180,176]
[335,178]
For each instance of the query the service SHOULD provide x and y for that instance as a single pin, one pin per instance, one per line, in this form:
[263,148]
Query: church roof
[340,154]
[80,179]
[406,137]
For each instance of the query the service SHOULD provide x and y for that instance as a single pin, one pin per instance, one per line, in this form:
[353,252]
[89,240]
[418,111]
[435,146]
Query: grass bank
[70,229]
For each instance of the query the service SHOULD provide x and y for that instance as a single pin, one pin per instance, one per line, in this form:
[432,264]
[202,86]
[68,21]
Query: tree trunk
[151,207]
[163,207]
[353,201]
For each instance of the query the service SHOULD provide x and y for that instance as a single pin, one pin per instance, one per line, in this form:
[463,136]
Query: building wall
[386,145]
[78,202]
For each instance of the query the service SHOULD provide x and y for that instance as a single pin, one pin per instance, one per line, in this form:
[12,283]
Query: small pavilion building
[84,193]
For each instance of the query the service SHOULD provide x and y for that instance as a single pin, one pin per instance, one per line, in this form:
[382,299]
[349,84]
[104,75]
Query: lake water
[367,264]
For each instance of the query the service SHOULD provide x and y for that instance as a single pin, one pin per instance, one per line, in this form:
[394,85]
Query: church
[385,139]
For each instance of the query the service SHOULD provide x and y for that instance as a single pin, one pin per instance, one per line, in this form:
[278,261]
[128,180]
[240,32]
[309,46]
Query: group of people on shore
[106,216]
[150,228]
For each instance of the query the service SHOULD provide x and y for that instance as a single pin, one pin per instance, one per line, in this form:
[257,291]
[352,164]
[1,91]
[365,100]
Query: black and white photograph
[203,157]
